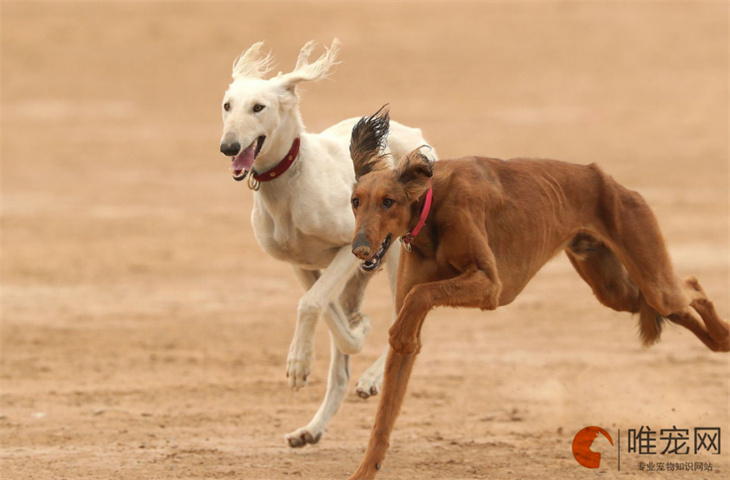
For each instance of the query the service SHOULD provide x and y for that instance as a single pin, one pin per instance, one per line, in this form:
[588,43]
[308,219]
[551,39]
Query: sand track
[144,333]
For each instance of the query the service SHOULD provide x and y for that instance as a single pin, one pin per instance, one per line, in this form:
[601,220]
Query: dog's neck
[277,145]
[423,242]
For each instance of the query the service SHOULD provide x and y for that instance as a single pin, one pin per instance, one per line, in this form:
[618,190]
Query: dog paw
[718,329]
[365,472]
[299,365]
[370,382]
[723,345]
[303,436]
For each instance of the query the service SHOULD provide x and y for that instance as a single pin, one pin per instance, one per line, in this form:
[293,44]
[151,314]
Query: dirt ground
[144,333]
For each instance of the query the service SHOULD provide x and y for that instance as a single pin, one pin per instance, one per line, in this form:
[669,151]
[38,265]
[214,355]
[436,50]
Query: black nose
[361,247]
[231,148]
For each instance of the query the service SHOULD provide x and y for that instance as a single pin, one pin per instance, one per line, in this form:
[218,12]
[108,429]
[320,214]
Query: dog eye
[227,106]
[258,107]
[387,202]
[355,202]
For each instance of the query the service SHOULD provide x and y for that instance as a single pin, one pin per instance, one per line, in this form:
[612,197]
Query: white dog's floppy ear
[305,71]
[252,63]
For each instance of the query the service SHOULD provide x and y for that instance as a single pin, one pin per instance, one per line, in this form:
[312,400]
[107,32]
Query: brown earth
[144,333]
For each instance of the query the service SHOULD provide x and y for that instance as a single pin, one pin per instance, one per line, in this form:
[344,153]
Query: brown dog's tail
[650,324]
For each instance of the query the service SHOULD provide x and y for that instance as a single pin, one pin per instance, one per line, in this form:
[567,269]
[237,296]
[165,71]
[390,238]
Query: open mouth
[242,163]
[374,262]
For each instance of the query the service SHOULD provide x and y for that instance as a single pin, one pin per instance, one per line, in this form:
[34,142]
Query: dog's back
[532,209]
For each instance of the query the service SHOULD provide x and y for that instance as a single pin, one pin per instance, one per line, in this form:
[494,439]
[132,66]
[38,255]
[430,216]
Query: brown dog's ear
[368,140]
[415,172]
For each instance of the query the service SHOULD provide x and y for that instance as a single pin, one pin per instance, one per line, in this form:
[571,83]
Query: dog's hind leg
[630,230]
[611,284]
[351,297]
[371,382]
[603,271]
[702,319]
[614,288]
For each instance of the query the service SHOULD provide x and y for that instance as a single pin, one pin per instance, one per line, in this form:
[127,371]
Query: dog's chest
[296,237]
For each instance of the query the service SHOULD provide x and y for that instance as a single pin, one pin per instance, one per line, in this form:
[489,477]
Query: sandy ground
[144,333]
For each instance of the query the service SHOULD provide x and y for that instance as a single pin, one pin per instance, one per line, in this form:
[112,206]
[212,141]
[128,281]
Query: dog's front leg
[397,372]
[371,381]
[321,295]
[337,379]
[474,288]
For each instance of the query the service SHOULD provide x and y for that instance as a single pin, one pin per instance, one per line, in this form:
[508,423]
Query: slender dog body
[490,227]
[301,214]
[541,207]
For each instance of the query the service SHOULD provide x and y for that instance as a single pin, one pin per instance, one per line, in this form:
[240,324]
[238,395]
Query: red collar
[281,167]
[409,237]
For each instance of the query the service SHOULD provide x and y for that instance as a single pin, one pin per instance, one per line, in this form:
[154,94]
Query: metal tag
[253,184]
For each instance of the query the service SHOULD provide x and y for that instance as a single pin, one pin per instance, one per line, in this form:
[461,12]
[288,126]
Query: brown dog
[491,226]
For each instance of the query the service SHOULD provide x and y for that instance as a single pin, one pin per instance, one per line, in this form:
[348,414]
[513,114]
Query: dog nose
[363,252]
[230,148]
[361,247]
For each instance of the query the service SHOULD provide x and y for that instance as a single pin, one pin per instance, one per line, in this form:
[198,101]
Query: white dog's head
[256,110]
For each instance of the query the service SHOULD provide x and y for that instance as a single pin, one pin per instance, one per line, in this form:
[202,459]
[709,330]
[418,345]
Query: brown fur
[492,226]
[368,138]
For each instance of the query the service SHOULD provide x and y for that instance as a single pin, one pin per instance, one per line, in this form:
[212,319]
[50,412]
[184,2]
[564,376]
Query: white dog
[302,184]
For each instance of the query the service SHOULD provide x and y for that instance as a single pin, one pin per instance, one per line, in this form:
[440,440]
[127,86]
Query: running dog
[476,230]
[301,215]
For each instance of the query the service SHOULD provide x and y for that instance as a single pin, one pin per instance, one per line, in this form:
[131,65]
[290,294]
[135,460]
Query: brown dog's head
[384,199]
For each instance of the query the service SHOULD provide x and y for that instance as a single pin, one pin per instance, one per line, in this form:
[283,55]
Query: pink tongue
[244,160]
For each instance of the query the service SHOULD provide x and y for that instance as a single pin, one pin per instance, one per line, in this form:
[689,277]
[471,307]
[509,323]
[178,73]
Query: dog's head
[256,110]
[385,200]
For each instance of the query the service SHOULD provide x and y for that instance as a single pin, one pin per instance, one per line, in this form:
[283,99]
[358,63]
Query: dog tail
[650,324]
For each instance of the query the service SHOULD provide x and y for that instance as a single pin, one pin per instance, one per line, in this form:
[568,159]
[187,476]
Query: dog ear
[305,71]
[415,172]
[252,63]
[368,140]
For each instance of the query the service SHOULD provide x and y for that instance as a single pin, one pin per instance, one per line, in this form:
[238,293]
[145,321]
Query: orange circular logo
[582,446]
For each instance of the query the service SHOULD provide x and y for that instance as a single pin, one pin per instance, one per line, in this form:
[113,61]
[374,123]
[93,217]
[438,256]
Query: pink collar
[409,237]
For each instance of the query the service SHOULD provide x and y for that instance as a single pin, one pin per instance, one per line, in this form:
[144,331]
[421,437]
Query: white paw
[301,437]
[299,364]
[371,382]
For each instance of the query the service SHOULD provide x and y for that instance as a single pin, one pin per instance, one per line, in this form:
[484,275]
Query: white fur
[304,218]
